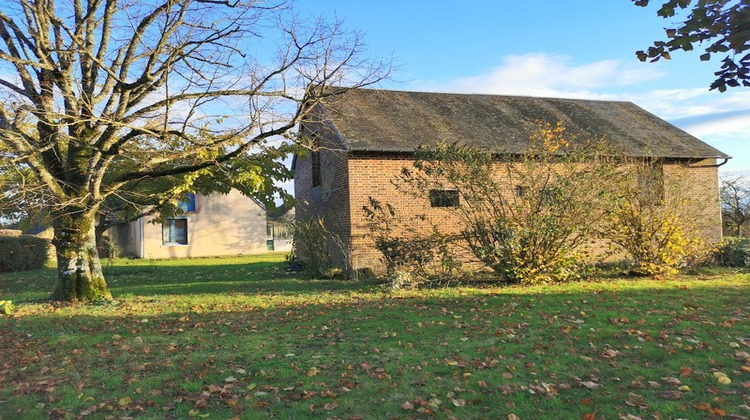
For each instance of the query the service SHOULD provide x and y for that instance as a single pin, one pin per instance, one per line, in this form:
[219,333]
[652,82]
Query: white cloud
[723,124]
[539,74]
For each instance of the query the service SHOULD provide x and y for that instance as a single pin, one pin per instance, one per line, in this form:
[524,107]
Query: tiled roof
[396,121]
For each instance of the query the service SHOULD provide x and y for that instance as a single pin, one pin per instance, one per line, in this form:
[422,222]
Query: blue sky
[552,48]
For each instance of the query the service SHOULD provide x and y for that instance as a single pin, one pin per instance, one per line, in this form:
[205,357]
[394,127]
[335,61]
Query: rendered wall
[222,225]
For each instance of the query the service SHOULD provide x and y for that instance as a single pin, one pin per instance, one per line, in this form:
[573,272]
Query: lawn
[243,338]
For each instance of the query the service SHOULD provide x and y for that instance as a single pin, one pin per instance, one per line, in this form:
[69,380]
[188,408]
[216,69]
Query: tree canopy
[719,27]
[110,102]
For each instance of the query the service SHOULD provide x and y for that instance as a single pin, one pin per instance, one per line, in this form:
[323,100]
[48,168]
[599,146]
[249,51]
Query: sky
[549,48]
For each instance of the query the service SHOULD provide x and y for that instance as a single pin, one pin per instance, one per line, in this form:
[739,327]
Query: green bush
[733,252]
[319,251]
[405,249]
[22,253]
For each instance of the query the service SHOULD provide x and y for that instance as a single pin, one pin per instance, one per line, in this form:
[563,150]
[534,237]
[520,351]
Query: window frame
[315,161]
[189,204]
[174,240]
[444,198]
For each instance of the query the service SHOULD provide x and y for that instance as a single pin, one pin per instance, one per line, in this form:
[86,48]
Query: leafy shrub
[318,250]
[655,220]
[405,249]
[526,217]
[534,250]
[659,241]
[733,252]
[22,253]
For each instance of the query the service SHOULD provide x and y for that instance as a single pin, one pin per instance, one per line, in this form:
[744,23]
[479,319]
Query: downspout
[142,240]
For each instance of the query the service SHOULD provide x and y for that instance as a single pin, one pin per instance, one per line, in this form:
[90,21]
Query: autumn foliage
[540,216]
[527,218]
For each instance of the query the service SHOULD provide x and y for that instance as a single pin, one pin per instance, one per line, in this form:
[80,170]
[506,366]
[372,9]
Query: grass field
[243,338]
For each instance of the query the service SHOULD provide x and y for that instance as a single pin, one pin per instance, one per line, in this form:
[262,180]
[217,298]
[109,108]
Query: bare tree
[735,201]
[101,95]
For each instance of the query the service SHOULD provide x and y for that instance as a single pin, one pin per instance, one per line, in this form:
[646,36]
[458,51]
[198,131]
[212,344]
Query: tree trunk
[79,271]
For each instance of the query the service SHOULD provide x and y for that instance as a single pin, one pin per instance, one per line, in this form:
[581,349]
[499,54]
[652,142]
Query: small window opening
[444,198]
[174,232]
[187,204]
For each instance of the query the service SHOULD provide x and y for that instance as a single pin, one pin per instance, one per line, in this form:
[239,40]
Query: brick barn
[366,136]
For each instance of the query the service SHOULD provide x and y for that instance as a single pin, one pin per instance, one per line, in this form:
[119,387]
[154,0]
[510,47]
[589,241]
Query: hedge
[21,253]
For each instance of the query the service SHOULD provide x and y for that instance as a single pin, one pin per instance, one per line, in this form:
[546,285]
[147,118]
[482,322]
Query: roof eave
[409,151]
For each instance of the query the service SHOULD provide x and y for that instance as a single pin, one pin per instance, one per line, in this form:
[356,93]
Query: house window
[444,198]
[276,230]
[174,231]
[315,168]
[315,160]
[187,204]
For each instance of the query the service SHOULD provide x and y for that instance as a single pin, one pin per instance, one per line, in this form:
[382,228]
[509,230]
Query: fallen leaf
[330,406]
[671,381]
[589,384]
[88,411]
[407,405]
[610,353]
[685,371]
[671,395]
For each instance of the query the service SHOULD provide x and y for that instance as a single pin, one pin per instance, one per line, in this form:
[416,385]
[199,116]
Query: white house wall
[222,225]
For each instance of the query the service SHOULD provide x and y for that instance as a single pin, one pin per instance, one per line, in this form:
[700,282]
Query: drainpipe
[141,245]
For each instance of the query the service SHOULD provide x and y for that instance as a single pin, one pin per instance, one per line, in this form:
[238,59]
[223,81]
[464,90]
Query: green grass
[219,338]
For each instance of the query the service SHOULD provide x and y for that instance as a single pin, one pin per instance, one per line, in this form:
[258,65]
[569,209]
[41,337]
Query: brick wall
[354,177]
[330,199]
[373,175]
[697,183]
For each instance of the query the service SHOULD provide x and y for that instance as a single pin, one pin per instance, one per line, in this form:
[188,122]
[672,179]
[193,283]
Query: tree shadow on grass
[250,278]
[143,279]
